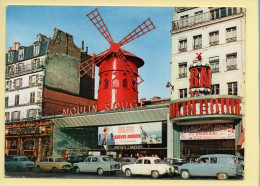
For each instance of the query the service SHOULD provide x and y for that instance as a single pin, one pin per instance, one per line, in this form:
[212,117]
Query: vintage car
[148,166]
[76,159]
[220,165]
[175,162]
[127,161]
[19,163]
[99,164]
[53,163]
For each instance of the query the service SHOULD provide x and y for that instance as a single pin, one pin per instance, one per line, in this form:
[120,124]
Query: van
[220,165]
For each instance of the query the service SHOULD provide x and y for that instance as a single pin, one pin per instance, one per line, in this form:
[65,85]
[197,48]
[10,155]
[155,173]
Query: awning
[140,115]
[241,141]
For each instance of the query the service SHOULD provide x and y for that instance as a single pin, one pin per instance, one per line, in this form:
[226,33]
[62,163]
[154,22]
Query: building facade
[41,81]
[218,34]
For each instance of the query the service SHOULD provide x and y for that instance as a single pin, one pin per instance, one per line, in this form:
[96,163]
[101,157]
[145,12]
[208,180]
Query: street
[118,175]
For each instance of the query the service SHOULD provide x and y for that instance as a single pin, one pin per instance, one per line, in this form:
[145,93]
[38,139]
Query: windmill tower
[118,69]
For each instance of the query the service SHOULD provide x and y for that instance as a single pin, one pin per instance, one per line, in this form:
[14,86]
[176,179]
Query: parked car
[127,161]
[220,165]
[53,163]
[148,166]
[175,162]
[99,164]
[19,163]
[76,159]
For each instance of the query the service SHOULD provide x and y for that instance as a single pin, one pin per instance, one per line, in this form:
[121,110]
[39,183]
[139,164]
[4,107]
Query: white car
[99,164]
[148,166]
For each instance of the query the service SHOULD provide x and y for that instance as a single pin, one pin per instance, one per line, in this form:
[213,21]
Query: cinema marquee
[206,105]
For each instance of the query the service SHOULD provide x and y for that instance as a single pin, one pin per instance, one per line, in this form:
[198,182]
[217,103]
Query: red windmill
[118,69]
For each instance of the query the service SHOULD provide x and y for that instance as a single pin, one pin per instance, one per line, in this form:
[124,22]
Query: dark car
[76,159]
[174,161]
[127,161]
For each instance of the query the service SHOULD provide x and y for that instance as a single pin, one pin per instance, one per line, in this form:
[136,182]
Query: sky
[23,23]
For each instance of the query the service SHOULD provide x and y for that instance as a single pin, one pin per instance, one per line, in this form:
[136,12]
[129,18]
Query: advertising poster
[148,133]
[207,132]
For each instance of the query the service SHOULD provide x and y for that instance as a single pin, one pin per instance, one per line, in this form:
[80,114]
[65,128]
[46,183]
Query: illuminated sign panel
[205,106]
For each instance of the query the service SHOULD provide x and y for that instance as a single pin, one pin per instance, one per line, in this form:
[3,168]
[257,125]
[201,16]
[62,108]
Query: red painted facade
[117,89]
[54,102]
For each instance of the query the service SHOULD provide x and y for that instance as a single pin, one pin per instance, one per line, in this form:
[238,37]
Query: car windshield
[107,159]
[158,161]
[59,160]
[24,159]
[72,158]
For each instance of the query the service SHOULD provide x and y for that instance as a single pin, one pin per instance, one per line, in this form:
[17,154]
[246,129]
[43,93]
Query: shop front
[206,125]
[121,133]
[32,139]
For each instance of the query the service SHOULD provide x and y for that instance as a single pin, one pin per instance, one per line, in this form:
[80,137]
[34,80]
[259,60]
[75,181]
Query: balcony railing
[182,49]
[213,43]
[11,72]
[232,39]
[198,19]
[197,47]
[183,75]
[232,67]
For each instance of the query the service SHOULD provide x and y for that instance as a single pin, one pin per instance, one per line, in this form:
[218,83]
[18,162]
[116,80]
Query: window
[197,42]
[198,16]
[10,56]
[231,34]
[231,61]
[125,83]
[8,85]
[184,21]
[94,159]
[213,38]
[50,159]
[183,93]
[139,161]
[214,64]
[133,85]
[214,14]
[33,80]
[105,83]
[213,160]
[232,88]
[17,83]
[182,70]
[223,12]
[7,116]
[215,89]
[21,54]
[147,161]
[20,67]
[6,102]
[15,116]
[33,64]
[31,113]
[16,102]
[32,97]
[36,49]
[88,160]
[183,45]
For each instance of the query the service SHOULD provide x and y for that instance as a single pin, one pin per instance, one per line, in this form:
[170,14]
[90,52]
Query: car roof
[152,158]
[218,155]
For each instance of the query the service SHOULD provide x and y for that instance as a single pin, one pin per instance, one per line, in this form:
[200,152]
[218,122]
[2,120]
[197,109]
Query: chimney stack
[82,45]
[86,50]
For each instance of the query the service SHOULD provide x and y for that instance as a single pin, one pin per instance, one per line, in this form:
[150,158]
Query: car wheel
[100,171]
[76,170]
[128,172]
[222,176]
[54,169]
[185,174]
[18,168]
[38,168]
[155,174]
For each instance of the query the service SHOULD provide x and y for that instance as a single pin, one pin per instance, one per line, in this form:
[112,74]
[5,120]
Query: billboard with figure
[147,133]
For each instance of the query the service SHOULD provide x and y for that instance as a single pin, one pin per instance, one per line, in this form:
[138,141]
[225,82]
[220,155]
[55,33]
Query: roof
[138,115]
[241,139]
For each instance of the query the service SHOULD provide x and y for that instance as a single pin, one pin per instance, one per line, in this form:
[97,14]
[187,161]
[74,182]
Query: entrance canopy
[138,115]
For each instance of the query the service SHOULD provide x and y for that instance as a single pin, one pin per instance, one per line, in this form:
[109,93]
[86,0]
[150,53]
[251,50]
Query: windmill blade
[98,22]
[87,65]
[142,29]
[128,68]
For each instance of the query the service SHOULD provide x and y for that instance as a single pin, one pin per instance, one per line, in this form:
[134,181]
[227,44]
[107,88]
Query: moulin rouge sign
[108,107]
